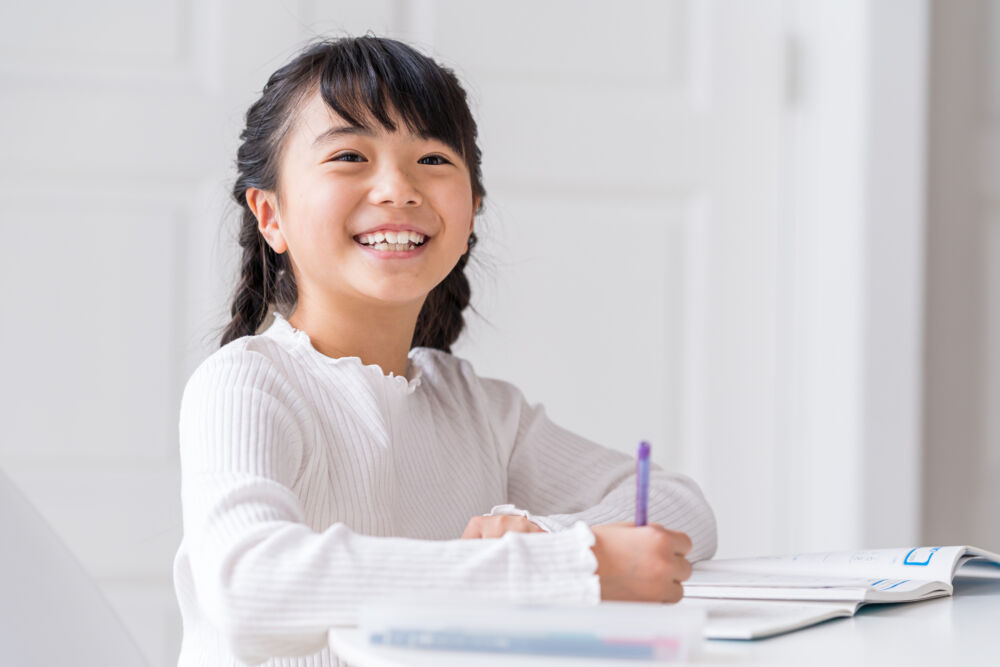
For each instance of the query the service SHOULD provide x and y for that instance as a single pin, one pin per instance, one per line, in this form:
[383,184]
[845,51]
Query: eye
[347,157]
[433,160]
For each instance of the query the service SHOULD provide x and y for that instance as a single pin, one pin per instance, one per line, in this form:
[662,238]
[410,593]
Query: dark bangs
[365,79]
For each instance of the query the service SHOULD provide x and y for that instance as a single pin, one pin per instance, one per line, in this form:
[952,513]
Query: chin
[392,297]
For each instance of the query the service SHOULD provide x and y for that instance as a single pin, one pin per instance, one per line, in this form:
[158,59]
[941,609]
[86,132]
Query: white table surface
[960,630]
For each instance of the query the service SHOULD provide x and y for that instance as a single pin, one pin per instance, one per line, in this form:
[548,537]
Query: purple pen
[642,484]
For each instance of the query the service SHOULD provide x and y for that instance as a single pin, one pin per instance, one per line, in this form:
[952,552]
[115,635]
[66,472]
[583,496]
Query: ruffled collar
[283,329]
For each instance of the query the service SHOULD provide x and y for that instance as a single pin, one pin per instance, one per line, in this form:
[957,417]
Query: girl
[340,453]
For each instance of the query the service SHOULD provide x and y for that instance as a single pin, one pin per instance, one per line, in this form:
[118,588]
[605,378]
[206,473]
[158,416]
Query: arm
[564,478]
[271,584]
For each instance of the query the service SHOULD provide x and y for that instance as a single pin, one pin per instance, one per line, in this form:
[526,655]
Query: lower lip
[394,254]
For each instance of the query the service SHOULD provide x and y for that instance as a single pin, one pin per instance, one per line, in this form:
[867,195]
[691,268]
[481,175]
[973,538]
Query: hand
[496,526]
[644,563]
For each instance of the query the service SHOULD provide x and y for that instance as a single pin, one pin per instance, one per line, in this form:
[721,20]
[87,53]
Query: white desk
[959,630]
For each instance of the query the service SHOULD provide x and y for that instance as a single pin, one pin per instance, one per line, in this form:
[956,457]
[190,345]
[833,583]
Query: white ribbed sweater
[310,483]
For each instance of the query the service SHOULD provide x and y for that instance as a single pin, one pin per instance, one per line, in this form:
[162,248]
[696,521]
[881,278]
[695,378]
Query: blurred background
[763,235]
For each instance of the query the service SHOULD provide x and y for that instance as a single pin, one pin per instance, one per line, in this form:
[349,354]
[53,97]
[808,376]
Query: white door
[628,252]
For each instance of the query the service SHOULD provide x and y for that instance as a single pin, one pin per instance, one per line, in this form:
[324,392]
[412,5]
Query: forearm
[675,502]
[561,478]
[274,587]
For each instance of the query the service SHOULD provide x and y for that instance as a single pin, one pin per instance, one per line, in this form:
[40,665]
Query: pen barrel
[642,484]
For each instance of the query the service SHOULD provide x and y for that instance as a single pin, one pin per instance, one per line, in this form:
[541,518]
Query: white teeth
[390,240]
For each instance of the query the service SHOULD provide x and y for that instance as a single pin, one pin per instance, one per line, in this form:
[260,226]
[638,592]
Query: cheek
[332,204]
[458,209]
[322,212]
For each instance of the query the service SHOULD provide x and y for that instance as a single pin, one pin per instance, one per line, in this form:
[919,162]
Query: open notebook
[749,598]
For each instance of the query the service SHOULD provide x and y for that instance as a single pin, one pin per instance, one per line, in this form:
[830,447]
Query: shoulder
[249,363]
[448,373]
[239,411]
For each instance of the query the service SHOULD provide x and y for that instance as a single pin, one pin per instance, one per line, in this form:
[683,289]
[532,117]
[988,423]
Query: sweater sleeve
[270,584]
[561,478]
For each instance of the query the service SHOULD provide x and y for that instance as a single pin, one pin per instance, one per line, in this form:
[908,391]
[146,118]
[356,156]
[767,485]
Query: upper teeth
[392,237]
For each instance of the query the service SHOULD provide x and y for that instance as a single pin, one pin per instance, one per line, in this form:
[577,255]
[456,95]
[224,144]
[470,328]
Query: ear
[264,205]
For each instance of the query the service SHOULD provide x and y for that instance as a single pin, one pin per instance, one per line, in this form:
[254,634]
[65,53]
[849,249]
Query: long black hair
[362,79]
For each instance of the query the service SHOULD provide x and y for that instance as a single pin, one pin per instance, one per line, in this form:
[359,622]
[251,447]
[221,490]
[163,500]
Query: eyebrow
[342,130]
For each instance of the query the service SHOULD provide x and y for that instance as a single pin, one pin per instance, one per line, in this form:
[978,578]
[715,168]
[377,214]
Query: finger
[493,526]
[680,535]
[519,524]
[681,542]
[673,593]
[523,527]
[473,529]
[682,569]
[526,526]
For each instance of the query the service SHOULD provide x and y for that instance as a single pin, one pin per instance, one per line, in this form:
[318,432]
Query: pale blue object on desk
[632,630]
[553,644]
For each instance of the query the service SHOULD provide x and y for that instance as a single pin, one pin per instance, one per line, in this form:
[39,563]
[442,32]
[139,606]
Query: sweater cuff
[540,521]
[556,567]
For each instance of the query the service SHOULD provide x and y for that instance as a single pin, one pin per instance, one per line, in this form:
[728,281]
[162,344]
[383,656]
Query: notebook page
[753,619]
[923,563]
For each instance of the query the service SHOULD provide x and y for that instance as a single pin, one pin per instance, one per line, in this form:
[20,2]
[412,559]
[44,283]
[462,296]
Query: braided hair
[359,78]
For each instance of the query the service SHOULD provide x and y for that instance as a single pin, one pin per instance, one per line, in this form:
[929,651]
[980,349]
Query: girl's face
[366,215]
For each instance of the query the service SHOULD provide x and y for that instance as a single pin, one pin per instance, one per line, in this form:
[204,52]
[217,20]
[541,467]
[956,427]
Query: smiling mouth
[391,241]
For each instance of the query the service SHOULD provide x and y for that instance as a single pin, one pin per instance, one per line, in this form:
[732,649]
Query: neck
[379,335]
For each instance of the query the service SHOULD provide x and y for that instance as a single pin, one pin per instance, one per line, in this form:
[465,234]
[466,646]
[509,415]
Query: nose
[394,187]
